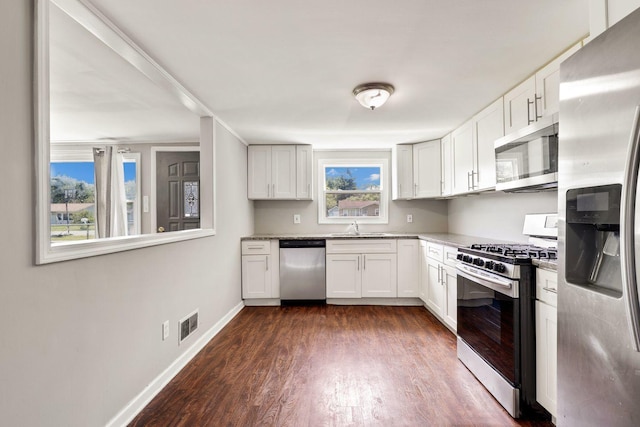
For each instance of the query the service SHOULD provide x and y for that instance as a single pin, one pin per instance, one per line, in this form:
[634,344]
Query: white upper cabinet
[402,172]
[279,172]
[488,126]
[462,153]
[548,83]
[426,169]
[519,106]
[536,97]
[304,172]
[417,170]
[447,165]
[259,172]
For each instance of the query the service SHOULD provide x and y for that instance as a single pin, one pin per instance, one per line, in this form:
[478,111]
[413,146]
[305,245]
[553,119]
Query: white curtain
[111,201]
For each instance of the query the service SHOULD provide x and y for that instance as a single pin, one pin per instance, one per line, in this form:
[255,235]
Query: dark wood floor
[327,366]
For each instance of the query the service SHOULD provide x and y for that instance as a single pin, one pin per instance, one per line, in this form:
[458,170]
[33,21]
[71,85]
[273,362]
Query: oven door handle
[504,286]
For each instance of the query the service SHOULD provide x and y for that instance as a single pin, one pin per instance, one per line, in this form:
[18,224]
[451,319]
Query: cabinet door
[283,172]
[344,277]
[304,169]
[546,356]
[519,106]
[426,169]
[447,165]
[489,126]
[548,84]
[462,146]
[259,173]
[379,275]
[435,292]
[403,172]
[424,271]
[408,268]
[256,277]
[450,306]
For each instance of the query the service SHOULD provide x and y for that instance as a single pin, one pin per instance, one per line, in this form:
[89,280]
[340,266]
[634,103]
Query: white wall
[277,216]
[498,215]
[80,339]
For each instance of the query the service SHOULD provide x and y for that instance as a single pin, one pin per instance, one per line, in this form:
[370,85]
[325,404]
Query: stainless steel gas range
[496,320]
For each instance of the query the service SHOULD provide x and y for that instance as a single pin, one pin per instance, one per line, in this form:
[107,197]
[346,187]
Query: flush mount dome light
[373,95]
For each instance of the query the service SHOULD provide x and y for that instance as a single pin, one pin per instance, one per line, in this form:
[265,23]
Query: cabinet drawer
[355,246]
[450,254]
[435,251]
[256,247]
[547,286]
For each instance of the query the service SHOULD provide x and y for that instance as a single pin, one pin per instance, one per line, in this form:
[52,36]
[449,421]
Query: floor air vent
[188,325]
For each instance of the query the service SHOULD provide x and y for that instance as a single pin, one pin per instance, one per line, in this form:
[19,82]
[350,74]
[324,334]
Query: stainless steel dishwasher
[302,271]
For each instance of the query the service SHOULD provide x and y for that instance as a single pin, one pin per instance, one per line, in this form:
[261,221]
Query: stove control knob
[500,268]
[467,258]
[459,257]
[478,261]
[489,265]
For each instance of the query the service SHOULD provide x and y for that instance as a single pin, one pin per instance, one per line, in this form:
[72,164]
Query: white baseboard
[375,301]
[133,408]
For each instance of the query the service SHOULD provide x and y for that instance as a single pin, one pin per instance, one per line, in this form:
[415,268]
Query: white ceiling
[282,71]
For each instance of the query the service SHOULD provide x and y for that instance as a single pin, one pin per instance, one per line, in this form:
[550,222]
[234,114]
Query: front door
[177,190]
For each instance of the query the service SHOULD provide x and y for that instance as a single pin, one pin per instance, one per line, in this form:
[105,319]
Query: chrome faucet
[355,227]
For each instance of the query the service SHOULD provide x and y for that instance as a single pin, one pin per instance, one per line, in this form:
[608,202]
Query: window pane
[353,205]
[72,212]
[191,199]
[352,178]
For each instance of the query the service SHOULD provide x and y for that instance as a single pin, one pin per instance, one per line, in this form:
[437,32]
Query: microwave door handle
[627,231]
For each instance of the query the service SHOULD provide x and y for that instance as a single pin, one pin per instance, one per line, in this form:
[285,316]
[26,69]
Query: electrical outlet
[296,219]
[165,330]
[409,218]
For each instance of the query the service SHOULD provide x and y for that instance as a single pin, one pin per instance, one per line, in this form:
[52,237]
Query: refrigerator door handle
[627,231]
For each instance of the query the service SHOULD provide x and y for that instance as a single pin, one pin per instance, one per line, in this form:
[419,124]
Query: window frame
[323,218]
[90,17]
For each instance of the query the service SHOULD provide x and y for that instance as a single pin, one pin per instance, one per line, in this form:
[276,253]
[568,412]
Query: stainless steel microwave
[527,160]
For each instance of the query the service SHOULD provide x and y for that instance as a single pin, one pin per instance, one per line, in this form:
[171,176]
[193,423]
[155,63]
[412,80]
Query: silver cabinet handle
[273,186]
[474,183]
[439,270]
[400,189]
[529,104]
[268,191]
[535,106]
[358,262]
[309,190]
[469,181]
[415,190]
[364,262]
[554,290]
[267,264]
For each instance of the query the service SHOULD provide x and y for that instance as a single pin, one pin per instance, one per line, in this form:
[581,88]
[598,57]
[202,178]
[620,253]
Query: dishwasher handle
[285,244]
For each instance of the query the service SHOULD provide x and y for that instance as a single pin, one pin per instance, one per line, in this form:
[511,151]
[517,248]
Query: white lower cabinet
[546,340]
[408,268]
[438,281]
[260,269]
[344,278]
[358,268]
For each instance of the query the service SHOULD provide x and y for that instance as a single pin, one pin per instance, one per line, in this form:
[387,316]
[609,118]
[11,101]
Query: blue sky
[365,176]
[83,171]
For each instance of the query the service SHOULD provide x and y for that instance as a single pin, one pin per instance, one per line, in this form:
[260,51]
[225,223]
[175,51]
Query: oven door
[489,323]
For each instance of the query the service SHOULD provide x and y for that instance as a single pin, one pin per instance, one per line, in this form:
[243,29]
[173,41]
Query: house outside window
[352,189]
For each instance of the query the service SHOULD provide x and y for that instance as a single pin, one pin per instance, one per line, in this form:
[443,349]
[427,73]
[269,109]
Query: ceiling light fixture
[373,95]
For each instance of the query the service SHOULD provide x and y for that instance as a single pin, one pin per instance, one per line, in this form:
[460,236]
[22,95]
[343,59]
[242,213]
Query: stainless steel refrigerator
[599,231]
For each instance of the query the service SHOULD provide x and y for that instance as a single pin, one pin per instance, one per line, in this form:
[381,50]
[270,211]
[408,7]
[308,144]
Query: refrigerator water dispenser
[593,239]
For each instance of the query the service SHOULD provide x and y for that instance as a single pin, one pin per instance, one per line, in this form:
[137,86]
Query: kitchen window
[352,190]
